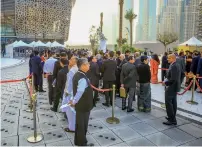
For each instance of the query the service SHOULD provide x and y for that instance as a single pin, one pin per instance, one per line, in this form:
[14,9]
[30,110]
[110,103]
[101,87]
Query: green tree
[123,41]
[93,38]
[167,38]
[130,16]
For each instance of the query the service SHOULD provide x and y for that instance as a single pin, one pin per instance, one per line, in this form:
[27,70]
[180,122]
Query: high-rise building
[146,21]
[199,22]
[30,20]
[177,16]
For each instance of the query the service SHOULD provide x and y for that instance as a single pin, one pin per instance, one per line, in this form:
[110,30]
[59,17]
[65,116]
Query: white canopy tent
[56,44]
[48,44]
[192,42]
[32,43]
[40,44]
[21,44]
[9,49]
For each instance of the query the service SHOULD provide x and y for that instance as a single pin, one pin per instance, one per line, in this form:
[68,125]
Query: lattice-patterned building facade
[41,19]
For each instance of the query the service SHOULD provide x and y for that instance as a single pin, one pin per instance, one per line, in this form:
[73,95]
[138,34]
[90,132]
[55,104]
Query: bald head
[122,57]
[171,58]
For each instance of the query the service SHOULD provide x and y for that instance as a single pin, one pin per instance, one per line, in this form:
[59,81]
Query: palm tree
[130,16]
[120,21]
[101,21]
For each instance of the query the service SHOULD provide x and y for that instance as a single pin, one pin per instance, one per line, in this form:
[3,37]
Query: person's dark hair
[36,52]
[57,55]
[69,55]
[156,58]
[63,54]
[130,58]
[165,54]
[31,55]
[111,54]
[181,53]
[82,61]
[90,58]
[142,58]
[118,53]
[41,53]
[64,61]
[145,53]
[127,51]
[51,53]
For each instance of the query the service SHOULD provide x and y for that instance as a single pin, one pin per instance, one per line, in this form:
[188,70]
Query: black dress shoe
[52,109]
[123,108]
[130,110]
[42,91]
[105,104]
[169,123]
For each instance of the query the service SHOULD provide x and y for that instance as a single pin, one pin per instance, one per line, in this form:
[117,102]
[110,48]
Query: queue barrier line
[186,89]
[100,90]
[13,81]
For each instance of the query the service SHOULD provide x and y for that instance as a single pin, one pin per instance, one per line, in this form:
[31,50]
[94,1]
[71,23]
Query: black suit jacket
[194,64]
[36,65]
[109,70]
[94,73]
[57,68]
[61,79]
[173,75]
[129,75]
[165,63]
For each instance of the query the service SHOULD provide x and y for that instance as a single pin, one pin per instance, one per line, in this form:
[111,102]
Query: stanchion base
[32,139]
[112,120]
[163,106]
[29,110]
[192,102]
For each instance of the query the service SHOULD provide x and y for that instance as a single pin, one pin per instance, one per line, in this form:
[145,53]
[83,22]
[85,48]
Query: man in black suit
[94,75]
[181,61]
[172,83]
[109,77]
[60,83]
[37,71]
[128,80]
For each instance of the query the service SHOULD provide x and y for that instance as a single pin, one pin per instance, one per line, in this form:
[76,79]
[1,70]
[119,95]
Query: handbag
[122,92]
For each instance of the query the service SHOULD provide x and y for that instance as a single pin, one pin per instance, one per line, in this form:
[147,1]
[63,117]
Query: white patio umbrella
[56,44]
[21,44]
[39,43]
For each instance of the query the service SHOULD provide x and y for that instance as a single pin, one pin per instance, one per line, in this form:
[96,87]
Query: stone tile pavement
[134,129]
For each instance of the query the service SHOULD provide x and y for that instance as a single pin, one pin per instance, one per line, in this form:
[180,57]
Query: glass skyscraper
[145,29]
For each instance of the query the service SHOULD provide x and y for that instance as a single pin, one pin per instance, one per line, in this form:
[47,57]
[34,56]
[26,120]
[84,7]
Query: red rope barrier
[186,89]
[101,90]
[197,83]
[163,68]
[11,81]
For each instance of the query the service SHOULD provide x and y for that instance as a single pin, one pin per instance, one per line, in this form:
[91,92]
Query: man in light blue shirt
[48,68]
[68,94]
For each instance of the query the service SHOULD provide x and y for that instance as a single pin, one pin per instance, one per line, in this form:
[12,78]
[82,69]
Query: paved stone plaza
[134,129]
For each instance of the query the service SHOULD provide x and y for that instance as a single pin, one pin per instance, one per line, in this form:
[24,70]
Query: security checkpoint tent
[191,45]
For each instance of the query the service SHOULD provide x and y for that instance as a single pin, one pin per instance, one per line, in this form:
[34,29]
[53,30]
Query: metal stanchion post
[30,105]
[192,102]
[37,137]
[113,120]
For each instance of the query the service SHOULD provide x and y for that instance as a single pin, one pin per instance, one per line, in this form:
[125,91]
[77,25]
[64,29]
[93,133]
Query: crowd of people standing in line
[71,73]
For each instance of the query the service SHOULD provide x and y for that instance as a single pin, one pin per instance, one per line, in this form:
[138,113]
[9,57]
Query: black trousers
[38,81]
[108,94]
[82,119]
[163,75]
[58,96]
[171,105]
[50,89]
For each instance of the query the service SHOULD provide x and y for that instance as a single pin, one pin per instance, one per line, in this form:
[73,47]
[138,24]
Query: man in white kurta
[68,95]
